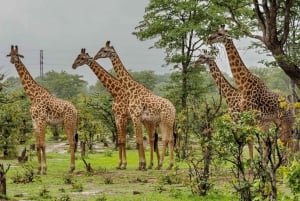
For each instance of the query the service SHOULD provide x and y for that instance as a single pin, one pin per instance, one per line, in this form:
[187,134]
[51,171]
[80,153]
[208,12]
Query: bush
[294,177]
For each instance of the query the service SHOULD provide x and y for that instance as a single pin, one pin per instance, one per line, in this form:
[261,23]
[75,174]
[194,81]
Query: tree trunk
[3,180]
[290,68]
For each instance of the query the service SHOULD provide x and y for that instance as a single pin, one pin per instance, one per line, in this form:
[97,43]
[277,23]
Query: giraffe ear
[20,55]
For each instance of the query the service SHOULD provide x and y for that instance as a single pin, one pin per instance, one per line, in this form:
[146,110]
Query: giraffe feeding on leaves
[143,106]
[45,109]
[254,93]
[119,107]
[229,92]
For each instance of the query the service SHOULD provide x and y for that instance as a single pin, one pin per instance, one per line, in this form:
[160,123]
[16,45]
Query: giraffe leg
[167,140]
[39,157]
[39,128]
[139,140]
[121,137]
[150,127]
[44,159]
[70,129]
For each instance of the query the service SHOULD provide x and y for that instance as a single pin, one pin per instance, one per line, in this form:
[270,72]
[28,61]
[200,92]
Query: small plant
[44,193]
[169,179]
[160,188]
[26,175]
[63,198]
[101,198]
[142,180]
[294,177]
[108,180]
[77,187]
[175,193]
[68,179]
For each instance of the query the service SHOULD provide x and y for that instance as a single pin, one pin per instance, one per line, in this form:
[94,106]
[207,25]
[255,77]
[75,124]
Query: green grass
[105,183]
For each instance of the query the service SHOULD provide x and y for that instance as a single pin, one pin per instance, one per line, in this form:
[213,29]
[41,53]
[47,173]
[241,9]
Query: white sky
[62,27]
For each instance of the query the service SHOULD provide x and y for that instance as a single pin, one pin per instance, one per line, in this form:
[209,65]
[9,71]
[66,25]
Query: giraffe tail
[175,134]
[155,141]
[76,141]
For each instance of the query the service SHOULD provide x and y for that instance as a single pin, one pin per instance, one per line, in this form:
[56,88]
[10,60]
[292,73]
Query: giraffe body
[119,107]
[46,109]
[143,106]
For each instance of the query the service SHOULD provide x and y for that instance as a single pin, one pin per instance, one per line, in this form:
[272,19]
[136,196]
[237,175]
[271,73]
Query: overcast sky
[62,27]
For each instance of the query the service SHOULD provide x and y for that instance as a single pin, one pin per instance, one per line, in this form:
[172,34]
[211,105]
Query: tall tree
[179,28]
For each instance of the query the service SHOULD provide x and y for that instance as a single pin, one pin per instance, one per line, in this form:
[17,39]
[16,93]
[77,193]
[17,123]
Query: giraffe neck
[108,81]
[32,89]
[120,70]
[238,68]
[226,89]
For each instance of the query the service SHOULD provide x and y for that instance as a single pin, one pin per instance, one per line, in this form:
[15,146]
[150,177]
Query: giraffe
[229,92]
[45,109]
[143,106]
[119,107]
[254,93]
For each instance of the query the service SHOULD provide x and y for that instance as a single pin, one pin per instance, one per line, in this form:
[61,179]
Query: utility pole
[41,64]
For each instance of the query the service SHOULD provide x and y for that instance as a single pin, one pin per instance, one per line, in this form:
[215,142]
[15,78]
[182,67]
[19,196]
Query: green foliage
[25,175]
[95,117]
[293,177]
[146,77]
[15,123]
[63,85]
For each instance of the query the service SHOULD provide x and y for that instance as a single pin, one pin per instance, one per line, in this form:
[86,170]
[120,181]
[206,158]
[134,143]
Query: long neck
[127,82]
[109,81]
[238,68]
[32,89]
[119,68]
[226,89]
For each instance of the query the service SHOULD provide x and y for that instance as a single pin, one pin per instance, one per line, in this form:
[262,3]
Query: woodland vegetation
[207,137]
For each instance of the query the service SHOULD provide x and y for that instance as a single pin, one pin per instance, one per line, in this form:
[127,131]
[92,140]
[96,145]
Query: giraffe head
[81,59]
[105,52]
[204,58]
[14,55]
[219,36]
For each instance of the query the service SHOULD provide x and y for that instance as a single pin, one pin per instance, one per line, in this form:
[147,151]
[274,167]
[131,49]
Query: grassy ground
[107,183]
